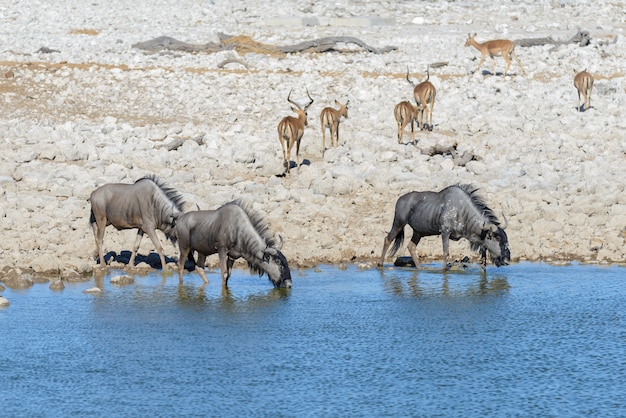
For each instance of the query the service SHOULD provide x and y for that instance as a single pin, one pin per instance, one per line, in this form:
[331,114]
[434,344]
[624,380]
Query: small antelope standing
[424,94]
[583,81]
[405,113]
[291,129]
[498,47]
[329,118]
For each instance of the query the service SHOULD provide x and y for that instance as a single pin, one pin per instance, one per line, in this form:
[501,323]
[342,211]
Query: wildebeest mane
[171,194]
[262,228]
[258,222]
[481,206]
[479,202]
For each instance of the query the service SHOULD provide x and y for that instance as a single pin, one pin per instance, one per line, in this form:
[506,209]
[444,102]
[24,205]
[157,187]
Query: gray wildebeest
[232,231]
[455,212]
[147,205]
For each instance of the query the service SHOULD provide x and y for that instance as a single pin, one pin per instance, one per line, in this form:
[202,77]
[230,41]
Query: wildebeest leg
[98,233]
[224,267]
[157,244]
[182,257]
[131,262]
[445,239]
[388,239]
[229,265]
[415,239]
[200,267]
[483,258]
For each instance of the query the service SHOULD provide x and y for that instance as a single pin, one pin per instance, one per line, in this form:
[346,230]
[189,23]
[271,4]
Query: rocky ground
[82,107]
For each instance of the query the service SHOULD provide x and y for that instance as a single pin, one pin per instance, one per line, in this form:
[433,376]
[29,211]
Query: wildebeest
[147,205]
[455,212]
[232,231]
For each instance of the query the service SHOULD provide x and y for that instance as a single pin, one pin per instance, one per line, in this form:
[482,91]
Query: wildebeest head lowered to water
[455,212]
[232,231]
[147,205]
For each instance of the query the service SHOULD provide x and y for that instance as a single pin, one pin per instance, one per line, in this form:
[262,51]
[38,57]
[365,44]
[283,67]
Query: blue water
[524,340]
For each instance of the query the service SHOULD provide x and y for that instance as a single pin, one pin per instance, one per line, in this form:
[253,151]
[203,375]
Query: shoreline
[100,111]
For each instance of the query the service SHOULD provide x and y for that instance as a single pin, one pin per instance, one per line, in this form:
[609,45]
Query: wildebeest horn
[489,227]
[279,246]
[506,222]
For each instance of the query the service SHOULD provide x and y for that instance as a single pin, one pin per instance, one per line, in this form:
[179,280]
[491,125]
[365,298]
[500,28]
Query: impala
[498,47]
[583,81]
[424,94]
[291,129]
[329,118]
[405,113]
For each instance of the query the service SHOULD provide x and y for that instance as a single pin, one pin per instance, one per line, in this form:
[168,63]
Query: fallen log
[330,43]
[177,143]
[244,44]
[582,38]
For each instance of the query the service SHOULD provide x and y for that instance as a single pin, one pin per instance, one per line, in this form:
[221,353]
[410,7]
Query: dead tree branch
[244,44]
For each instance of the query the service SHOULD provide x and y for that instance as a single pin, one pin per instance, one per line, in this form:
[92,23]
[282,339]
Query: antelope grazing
[405,113]
[424,94]
[498,47]
[329,118]
[583,81]
[291,129]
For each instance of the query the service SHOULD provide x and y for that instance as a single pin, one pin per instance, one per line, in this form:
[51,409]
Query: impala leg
[298,153]
[482,59]
[324,140]
[429,126]
[508,65]
[282,146]
[337,135]
[518,62]
[288,157]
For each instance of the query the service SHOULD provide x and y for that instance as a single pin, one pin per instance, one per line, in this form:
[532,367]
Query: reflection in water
[196,296]
[428,283]
[528,340]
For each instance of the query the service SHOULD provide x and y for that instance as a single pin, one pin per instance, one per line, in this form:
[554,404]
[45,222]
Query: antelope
[583,81]
[291,129]
[424,94]
[329,118]
[405,113]
[498,47]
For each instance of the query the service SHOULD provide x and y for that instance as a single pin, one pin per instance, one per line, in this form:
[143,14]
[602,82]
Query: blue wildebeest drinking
[147,205]
[232,231]
[455,212]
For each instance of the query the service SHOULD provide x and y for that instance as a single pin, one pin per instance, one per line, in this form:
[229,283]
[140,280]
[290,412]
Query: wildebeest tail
[397,243]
